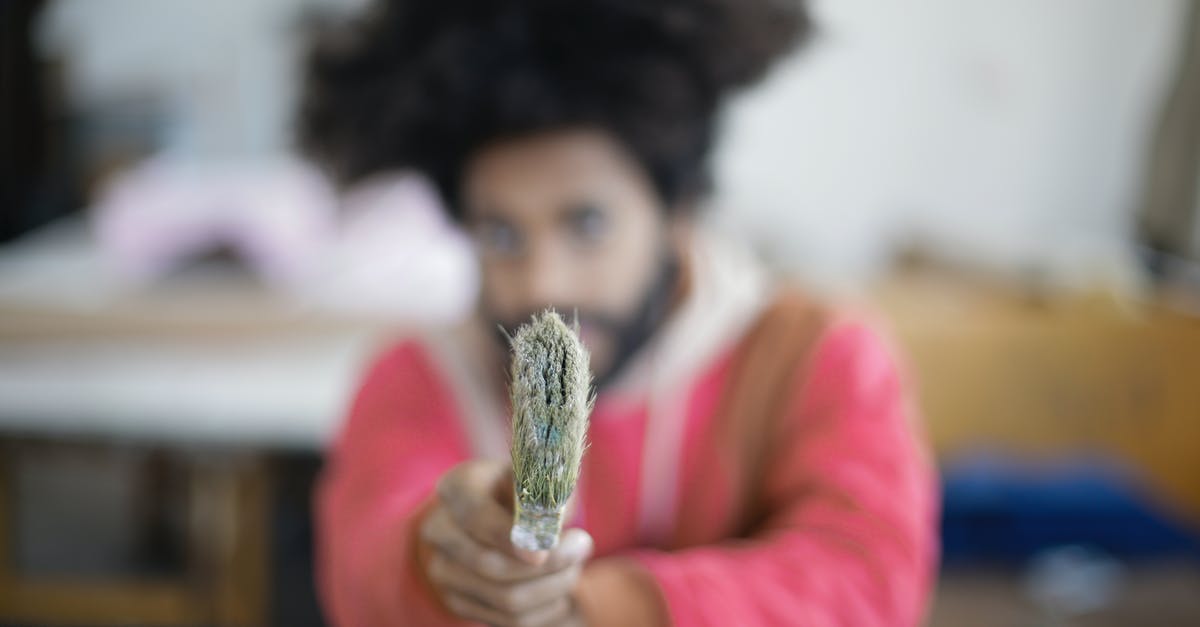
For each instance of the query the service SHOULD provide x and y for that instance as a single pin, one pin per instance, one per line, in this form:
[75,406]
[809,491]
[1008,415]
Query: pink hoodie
[847,534]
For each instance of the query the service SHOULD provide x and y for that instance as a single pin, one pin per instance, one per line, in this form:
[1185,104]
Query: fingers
[443,533]
[440,531]
[476,570]
[512,598]
[481,583]
[449,539]
[475,477]
[468,491]
[574,547]
[554,613]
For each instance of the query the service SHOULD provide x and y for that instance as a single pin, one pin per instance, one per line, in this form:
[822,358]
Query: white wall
[226,71]
[1009,132]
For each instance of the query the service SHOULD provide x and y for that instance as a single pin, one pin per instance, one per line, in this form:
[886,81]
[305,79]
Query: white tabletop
[210,359]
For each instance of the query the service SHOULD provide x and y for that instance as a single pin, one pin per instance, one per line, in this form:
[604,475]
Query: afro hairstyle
[425,84]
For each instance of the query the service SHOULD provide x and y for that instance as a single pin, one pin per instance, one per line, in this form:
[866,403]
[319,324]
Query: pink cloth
[850,538]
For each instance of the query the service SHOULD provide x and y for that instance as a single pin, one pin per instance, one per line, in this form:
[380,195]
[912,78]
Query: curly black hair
[424,84]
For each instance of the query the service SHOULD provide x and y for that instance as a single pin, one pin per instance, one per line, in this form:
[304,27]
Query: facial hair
[629,334]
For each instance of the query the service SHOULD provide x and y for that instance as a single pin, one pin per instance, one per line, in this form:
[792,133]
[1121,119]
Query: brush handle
[535,528]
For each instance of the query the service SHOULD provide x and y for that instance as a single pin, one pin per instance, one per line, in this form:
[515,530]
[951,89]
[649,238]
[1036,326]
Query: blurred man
[752,454]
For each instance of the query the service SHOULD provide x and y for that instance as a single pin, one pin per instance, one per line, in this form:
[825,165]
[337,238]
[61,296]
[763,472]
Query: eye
[497,238]
[588,222]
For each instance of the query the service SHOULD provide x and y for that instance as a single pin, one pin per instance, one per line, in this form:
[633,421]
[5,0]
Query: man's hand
[476,570]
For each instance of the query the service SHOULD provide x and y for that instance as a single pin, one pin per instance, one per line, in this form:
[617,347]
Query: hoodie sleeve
[850,538]
[399,438]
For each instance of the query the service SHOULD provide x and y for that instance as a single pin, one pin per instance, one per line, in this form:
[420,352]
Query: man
[752,454]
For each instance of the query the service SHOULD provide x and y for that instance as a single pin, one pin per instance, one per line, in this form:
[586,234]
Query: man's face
[569,220]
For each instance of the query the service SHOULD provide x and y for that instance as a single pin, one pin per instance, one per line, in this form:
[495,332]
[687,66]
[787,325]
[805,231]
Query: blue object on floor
[998,509]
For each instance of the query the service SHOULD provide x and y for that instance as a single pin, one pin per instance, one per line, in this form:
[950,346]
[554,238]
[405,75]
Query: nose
[547,277]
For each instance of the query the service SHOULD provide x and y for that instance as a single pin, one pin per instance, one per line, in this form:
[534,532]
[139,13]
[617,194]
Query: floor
[1158,595]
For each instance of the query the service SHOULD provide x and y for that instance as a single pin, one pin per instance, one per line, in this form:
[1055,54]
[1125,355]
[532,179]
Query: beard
[628,333]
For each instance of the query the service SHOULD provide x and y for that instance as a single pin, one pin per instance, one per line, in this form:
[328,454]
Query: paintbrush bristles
[550,403]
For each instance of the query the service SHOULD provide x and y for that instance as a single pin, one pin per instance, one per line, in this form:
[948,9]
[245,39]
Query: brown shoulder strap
[760,385]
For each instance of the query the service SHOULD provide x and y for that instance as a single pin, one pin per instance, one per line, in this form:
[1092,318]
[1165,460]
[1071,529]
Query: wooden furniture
[224,582]
[1041,376]
[211,371]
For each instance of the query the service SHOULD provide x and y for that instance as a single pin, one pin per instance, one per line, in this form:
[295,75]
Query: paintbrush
[550,402]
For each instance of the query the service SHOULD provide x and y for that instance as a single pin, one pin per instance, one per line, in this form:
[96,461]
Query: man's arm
[377,485]
[850,539]
[393,550]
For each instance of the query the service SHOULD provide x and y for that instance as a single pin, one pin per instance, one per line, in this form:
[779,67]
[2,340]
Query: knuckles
[512,599]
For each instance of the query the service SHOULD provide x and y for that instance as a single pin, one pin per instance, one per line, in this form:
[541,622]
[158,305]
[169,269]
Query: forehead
[546,170]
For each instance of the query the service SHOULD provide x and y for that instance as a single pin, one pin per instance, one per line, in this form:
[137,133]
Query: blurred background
[185,303]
